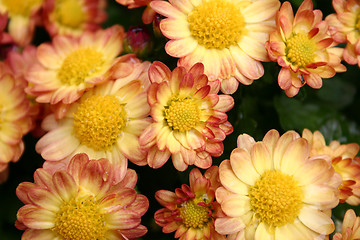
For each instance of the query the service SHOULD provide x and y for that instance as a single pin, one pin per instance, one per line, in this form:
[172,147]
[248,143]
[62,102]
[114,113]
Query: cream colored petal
[247,66]
[245,141]
[259,11]
[184,5]
[320,194]
[316,220]
[175,28]
[294,156]
[263,232]
[270,139]
[166,9]
[243,167]
[261,158]
[312,172]
[228,225]
[180,47]
[230,181]
[236,205]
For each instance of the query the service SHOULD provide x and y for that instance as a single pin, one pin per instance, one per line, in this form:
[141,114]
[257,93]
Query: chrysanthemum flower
[148,15]
[191,211]
[105,122]
[344,28]
[342,158]
[228,37]
[69,66]
[272,189]
[82,203]
[190,122]
[14,119]
[350,229]
[22,18]
[73,17]
[18,64]
[302,47]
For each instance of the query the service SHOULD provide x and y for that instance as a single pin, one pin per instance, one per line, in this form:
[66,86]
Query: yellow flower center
[80,219]
[21,7]
[79,65]
[182,114]
[99,121]
[300,50]
[69,13]
[276,198]
[193,215]
[216,23]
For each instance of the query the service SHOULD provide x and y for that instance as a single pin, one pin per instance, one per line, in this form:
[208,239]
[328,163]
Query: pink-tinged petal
[44,199]
[164,93]
[270,139]
[148,137]
[292,91]
[339,5]
[243,167]
[134,233]
[284,78]
[313,80]
[176,78]
[31,234]
[186,84]
[260,10]
[175,28]
[166,9]
[228,225]
[313,172]
[316,220]
[286,17]
[171,227]
[320,195]
[225,103]
[179,162]
[131,149]
[140,205]
[159,72]
[195,139]
[245,142]
[229,180]
[325,43]
[261,158]
[294,156]
[39,219]
[22,191]
[166,199]
[236,205]
[188,156]
[43,179]
[263,232]
[59,144]
[129,180]
[306,5]
[122,219]
[162,138]
[202,92]
[303,21]
[180,47]
[248,66]
[121,198]
[230,85]
[64,185]
[203,160]
[157,158]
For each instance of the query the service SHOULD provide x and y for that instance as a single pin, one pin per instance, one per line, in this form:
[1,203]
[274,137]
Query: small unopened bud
[138,41]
